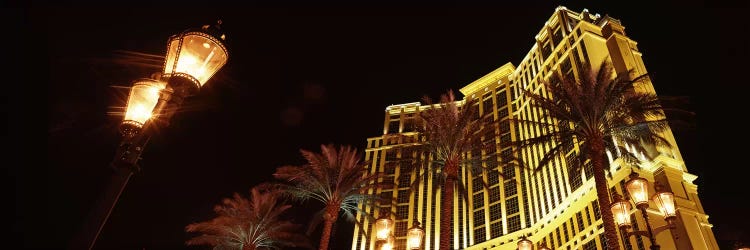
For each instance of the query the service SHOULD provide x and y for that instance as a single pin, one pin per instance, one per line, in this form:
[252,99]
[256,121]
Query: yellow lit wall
[557,206]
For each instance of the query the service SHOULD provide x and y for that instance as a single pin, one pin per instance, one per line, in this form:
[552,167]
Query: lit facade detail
[556,207]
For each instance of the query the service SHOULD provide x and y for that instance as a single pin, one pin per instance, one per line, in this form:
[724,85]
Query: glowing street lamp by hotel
[525,244]
[637,188]
[384,231]
[192,58]
[414,237]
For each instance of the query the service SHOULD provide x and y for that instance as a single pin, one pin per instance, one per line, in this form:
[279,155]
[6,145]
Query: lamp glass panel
[200,57]
[141,102]
[414,238]
[525,244]
[383,228]
[621,212]
[172,46]
[638,190]
[665,202]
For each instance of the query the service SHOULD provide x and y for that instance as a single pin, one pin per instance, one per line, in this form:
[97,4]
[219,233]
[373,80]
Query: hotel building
[557,205]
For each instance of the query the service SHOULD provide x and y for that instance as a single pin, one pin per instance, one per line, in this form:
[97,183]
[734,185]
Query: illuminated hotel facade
[557,205]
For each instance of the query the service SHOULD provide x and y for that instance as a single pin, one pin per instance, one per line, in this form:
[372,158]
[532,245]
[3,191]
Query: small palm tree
[249,224]
[606,112]
[338,179]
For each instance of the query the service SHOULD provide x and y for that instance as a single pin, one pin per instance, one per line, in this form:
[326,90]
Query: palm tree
[338,179]
[248,224]
[447,133]
[606,112]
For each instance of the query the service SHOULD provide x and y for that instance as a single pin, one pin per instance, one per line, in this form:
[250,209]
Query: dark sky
[304,75]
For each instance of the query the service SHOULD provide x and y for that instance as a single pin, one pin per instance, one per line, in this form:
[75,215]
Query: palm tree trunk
[602,193]
[446,210]
[328,220]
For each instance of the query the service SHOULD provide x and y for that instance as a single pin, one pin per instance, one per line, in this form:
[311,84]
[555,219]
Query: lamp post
[384,239]
[637,188]
[192,58]
[414,237]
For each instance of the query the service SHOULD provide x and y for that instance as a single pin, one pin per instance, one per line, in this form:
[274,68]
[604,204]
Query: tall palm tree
[605,111]
[447,133]
[249,224]
[338,179]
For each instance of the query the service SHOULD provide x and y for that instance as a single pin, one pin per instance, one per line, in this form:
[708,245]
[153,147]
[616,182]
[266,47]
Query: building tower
[556,206]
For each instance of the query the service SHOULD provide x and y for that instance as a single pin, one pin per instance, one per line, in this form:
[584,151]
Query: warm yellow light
[621,211]
[638,189]
[525,244]
[195,54]
[389,244]
[665,202]
[383,228]
[414,237]
[141,102]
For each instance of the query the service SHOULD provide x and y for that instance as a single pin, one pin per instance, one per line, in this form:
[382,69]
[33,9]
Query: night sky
[301,75]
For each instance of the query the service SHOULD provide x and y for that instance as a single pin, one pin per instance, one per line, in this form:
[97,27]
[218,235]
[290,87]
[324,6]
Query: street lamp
[525,244]
[637,188]
[414,237]
[192,58]
[384,232]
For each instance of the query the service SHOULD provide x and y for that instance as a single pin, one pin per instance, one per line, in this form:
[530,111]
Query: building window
[495,212]
[479,235]
[493,177]
[402,212]
[476,185]
[504,126]
[509,172]
[478,218]
[404,180]
[579,219]
[565,231]
[494,194]
[597,213]
[502,113]
[401,228]
[487,104]
[393,126]
[502,100]
[511,205]
[559,238]
[514,224]
[496,229]
[588,216]
[478,201]
[591,245]
[507,155]
[510,188]
[546,50]
[505,138]
[403,196]
[386,195]
[390,168]
[557,36]
[588,169]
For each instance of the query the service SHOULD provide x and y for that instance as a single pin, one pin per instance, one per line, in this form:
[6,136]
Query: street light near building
[384,239]
[637,188]
[414,237]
